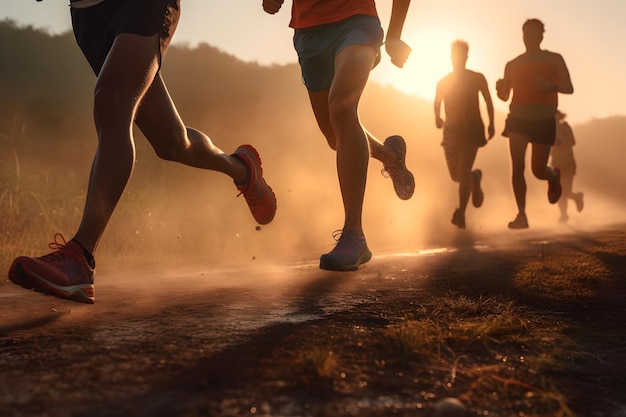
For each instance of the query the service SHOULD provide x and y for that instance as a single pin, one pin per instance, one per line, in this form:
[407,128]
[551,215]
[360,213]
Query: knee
[331,139]
[343,109]
[111,108]
[540,172]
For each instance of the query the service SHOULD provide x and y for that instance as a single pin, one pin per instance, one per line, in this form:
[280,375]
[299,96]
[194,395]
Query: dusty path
[208,341]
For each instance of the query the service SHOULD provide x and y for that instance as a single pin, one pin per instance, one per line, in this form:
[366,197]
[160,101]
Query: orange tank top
[528,100]
[309,13]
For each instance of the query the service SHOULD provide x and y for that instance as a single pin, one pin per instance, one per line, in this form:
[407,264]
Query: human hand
[272,6]
[439,122]
[500,85]
[398,51]
[491,131]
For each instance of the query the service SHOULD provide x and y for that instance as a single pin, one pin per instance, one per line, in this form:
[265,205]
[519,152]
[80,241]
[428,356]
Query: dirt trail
[220,341]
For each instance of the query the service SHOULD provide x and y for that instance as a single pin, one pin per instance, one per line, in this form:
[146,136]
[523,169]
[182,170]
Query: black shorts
[542,132]
[96,27]
[467,134]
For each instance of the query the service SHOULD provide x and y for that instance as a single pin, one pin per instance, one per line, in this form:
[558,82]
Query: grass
[484,340]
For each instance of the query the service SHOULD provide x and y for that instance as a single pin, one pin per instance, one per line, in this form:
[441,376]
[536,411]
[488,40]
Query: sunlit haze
[296,159]
[589,35]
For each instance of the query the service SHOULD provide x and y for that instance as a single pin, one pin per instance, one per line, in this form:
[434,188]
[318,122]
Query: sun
[428,63]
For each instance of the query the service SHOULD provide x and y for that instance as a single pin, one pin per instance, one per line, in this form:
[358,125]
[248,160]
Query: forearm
[437,108]
[399,11]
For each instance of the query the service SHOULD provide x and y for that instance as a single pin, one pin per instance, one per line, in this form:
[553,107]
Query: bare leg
[379,151]
[467,156]
[566,183]
[319,103]
[336,111]
[517,148]
[130,67]
[160,122]
[121,85]
[539,162]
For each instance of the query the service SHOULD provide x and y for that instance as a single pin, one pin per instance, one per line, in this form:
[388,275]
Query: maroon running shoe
[554,187]
[64,273]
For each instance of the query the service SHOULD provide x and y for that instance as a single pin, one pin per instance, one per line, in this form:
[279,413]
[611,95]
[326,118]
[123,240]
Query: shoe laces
[250,195]
[58,245]
[345,241]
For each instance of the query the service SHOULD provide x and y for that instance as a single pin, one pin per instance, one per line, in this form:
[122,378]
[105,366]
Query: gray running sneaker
[350,251]
[402,178]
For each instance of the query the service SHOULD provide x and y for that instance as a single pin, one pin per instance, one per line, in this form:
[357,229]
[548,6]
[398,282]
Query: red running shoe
[64,273]
[258,194]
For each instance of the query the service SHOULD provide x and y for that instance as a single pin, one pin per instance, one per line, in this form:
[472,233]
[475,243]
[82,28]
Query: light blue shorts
[318,46]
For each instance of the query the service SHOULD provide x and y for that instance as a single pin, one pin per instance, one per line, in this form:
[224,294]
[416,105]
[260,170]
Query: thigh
[467,156]
[129,69]
[451,153]
[157,116]
[352,68]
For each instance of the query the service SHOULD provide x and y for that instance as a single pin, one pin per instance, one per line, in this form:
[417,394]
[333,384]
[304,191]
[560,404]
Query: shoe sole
[403,193]
[82,293]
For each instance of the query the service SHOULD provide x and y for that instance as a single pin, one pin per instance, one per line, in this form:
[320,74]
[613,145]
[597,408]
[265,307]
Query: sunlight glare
[428,63]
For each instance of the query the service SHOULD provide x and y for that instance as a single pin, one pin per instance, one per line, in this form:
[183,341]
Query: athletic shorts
[318,46]
[471,134]
[96,27]
[542,132]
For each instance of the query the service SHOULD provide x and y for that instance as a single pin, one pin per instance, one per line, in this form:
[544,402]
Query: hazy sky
[589,35]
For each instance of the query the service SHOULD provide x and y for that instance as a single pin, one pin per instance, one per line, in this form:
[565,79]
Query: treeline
[46,83]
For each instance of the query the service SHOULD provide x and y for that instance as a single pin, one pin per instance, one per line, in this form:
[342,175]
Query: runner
[338,43]
[463,129]
[535,77]
[125,41]
[562,154]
